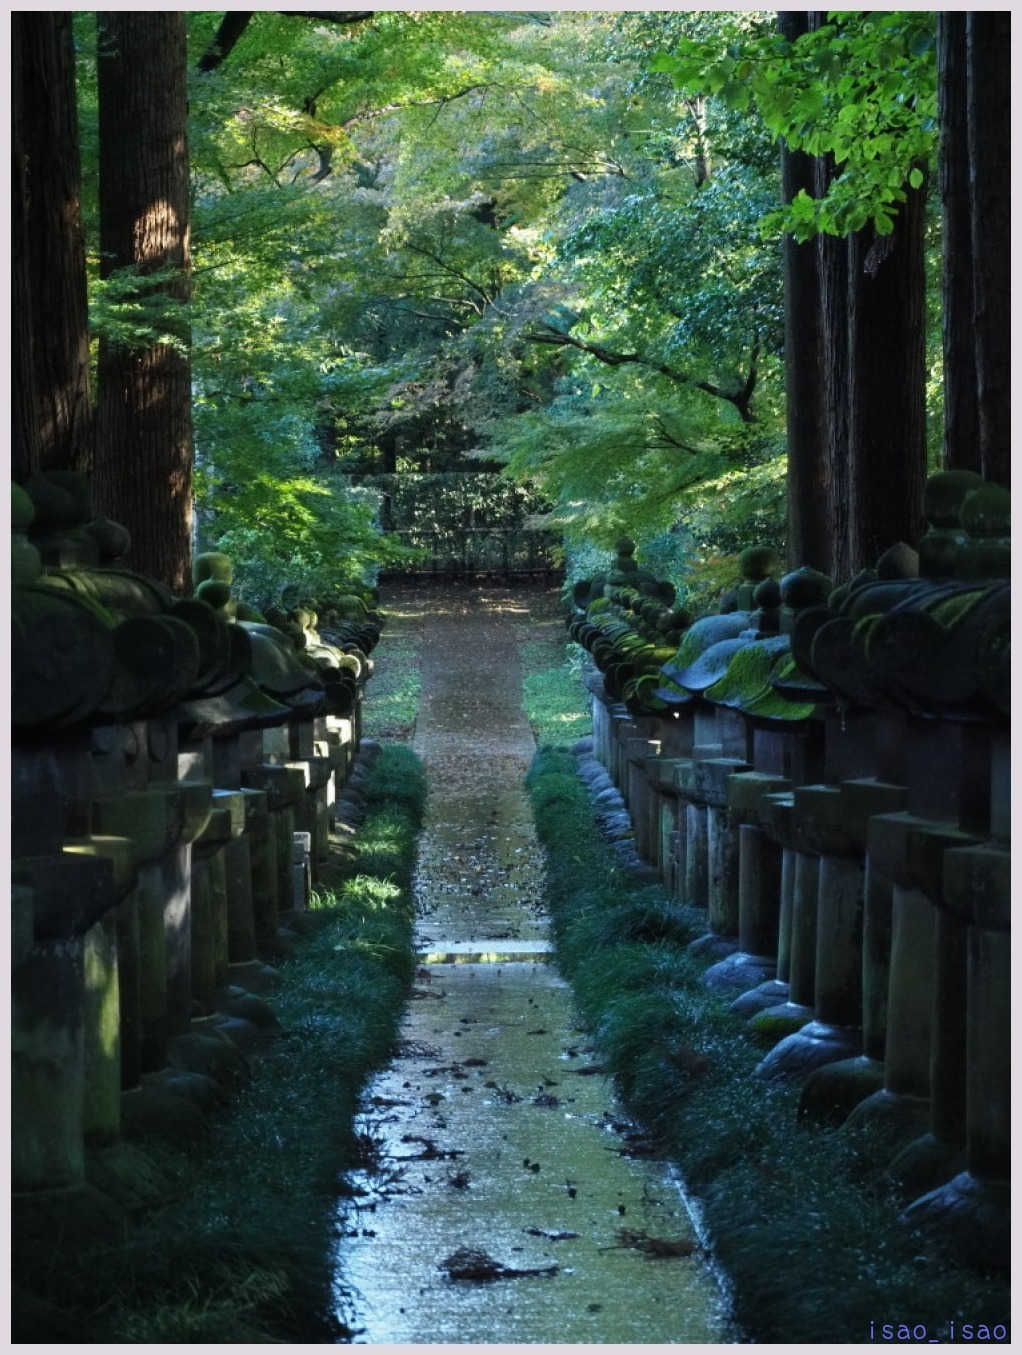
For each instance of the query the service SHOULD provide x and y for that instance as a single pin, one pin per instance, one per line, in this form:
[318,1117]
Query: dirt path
[497,1144]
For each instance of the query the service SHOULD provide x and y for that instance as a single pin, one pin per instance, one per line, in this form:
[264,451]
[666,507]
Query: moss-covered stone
[986,511]
[212,564]
[805,587]
[759,562]
[945,493]
[215,593]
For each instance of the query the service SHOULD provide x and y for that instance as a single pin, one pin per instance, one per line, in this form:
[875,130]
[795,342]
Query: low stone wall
[180,767]
[825,773]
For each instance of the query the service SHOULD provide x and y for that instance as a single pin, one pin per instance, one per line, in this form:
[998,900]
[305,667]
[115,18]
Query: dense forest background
[564,246]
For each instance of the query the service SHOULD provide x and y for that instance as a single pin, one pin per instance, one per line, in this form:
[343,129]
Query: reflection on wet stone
[497,1179]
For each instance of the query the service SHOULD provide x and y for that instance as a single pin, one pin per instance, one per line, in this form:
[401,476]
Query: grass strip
[554,699]
[797,1214]
[245,1252]
[392,696]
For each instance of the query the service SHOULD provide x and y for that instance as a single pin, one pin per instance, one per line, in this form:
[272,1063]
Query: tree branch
[235,21]
[232,25]
[451,271]
[741,399]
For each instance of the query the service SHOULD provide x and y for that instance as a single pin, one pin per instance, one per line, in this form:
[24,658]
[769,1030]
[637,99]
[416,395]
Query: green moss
[955,609]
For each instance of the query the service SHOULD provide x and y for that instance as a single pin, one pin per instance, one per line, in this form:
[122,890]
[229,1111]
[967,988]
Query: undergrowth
[815,1254]
[244,1253]
[555,701]
[392,703]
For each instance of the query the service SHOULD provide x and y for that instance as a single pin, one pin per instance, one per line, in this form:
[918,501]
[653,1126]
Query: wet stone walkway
[505,1199]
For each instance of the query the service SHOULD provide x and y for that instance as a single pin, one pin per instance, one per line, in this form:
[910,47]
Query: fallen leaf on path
[655,1248]
[469,1263]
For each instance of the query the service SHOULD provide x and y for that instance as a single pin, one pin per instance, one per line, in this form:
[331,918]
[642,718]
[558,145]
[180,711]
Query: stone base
[249,1006]
[159,1111]
[773,1024]
[739,972]
[833,1091]
[243,1035]
[924,1165]
[129,1177]
[713,947]
[974,1214]
[207,1050]
[809,1048]
[768,994]
[891,1121]
[253,976]
[304,924]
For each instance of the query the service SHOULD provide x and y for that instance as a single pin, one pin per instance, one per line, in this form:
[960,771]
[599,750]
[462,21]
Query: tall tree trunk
[832,264]
[144,436]
[887,385]
[53,412]
[809,537]
[961,410]
[988,51]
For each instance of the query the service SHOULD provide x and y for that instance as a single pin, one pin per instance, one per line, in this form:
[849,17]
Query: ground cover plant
[243,1250]
[392,702]
[780,1200]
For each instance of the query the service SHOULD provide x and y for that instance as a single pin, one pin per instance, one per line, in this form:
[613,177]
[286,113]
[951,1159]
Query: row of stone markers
[825,771]
[180,766]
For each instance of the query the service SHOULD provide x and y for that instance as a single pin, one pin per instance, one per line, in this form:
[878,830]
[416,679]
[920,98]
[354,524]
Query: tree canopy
[547,241]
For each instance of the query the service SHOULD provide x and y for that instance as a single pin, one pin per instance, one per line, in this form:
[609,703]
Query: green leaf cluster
[861,89]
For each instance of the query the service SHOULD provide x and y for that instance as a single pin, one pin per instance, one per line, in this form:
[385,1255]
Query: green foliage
[555,701]
[861,88]
[435,239]
[392,702]
[136,311]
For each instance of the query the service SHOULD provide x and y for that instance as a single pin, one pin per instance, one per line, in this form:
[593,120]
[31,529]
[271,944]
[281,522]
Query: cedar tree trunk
[53,421]
[144,435]
[988,56]
[961,410]
[887,387]
[809,536]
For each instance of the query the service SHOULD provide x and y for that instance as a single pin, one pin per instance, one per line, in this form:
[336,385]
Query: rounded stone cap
[805,587]
[214,592]
[53,506]
[767,593]
[944,494]
[899,561]
[22,508]
[113,541]
[986,511]
[212,564]
[759,562]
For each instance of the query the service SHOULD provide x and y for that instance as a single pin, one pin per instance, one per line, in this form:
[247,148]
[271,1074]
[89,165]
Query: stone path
[496,1139]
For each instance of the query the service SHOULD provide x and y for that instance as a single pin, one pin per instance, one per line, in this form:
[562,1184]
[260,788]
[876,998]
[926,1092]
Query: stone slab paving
[494,1130]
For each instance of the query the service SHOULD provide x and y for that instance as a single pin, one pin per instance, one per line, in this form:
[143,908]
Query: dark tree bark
[887,386]
[24,405]
[961,408]
[53,421]
[144,437]
[832,263]
[809,538]
[988,55]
